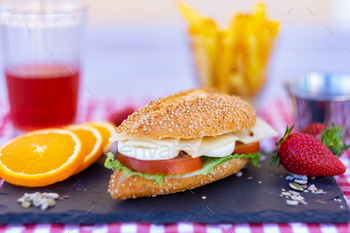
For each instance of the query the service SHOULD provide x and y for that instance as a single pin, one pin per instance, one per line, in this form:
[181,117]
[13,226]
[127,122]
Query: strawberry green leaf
[275,158]
[332,137]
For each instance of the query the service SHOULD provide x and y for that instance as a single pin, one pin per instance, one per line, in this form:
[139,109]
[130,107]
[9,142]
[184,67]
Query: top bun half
[190,114]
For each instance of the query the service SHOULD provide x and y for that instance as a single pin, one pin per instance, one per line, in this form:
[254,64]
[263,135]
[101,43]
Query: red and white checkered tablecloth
[277,113]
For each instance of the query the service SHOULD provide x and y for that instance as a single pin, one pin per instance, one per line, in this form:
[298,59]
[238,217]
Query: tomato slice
[181,164]
[178,165]
[251,148]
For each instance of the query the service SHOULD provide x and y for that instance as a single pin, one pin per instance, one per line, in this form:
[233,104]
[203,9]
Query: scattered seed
[304,186]
[296,186]
[204,197]
[26,204]
[45,205]
[239,174]
[319,201]
[299,177]
[294,193]
[65,196]
[341,207]
[51,195]
[312,187]
[306,191]
[301,181]
[303,202]
[283,190]
[249,178]
[260,182]
[36,202]
[42,200]
[51,201]
[297,198]
[61,198]
[292,202]
[286,194]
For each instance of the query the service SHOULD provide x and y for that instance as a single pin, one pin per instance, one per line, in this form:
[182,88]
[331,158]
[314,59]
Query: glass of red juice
[42,45]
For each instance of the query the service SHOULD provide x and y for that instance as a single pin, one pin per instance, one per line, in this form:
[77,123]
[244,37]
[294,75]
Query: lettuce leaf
[110,163]
[209,164]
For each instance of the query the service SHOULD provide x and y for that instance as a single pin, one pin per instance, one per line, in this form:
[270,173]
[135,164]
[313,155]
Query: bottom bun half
[123,187]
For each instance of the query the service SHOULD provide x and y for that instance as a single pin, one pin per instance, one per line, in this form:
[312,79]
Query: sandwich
[183,141]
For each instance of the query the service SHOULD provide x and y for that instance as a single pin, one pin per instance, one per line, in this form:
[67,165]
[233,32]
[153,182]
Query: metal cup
[318,97]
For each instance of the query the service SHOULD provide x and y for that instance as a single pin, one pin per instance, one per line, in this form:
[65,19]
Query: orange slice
[107,129]
[92,141]
[41,157]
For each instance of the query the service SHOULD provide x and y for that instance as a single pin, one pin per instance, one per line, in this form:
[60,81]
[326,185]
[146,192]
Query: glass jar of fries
[233,60]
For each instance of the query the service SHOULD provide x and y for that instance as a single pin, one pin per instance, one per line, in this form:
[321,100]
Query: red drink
[42,96]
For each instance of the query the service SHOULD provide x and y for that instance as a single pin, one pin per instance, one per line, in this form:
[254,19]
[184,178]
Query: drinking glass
[42,45]
[321,97]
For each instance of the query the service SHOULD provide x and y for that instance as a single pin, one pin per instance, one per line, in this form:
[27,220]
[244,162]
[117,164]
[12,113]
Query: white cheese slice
[119,137]
[212,143]
[150,143]
[260,130]
[143,142]
[189,144]
[222,151]
[163,152]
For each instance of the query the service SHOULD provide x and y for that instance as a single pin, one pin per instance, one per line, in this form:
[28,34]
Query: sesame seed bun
[190,114]
[124,187]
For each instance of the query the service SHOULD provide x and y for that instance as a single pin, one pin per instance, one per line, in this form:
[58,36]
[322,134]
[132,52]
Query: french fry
[199,24]
[234,59]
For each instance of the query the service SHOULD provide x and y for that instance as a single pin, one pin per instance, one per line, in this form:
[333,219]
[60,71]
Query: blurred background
[141,48]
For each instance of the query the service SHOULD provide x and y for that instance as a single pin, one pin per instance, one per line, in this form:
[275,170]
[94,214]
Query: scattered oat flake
[303,202]
[312,187]
[292,202]
[249,178]
[319,201]
[294,193]
[239,174]
[204,197]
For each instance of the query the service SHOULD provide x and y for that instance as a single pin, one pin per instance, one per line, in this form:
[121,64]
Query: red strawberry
[306,155]
[314,129]
[331,136]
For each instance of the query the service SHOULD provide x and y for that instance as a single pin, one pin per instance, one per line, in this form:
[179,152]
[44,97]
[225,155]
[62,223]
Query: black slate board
[231,200]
